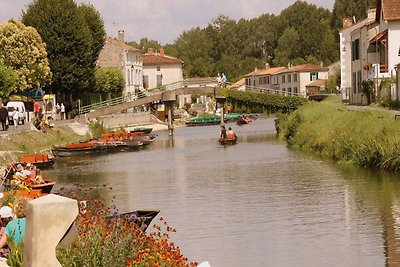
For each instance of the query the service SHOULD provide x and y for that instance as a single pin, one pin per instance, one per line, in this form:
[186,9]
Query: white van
[20,106]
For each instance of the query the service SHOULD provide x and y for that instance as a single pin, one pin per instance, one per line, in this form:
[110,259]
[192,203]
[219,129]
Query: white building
[294,79]
[160,69]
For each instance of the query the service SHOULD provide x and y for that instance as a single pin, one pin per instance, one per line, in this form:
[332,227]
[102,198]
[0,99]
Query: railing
[142,93]
[256,89]
[112,102]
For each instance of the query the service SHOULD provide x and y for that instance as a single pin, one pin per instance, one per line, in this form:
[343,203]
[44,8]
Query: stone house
[128,59]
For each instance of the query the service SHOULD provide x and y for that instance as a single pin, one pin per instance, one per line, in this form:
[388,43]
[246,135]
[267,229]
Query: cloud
[164,20]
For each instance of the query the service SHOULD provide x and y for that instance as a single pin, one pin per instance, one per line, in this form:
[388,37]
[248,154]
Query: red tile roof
[156,59]
[389,8]
[305,68]
[121,44]
[317,83]
[269,71]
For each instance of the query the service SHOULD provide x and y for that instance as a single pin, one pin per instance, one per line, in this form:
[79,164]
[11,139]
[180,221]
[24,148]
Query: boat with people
[227,137]
[244,120]
[16,174]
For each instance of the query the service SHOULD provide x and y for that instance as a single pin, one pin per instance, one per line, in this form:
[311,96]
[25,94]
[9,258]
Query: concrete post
[47,220]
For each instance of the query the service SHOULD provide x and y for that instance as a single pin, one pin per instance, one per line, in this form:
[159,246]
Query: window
[159,80]
[355,50]
[247,81]
[289,78]
[268,81]
[289,90]
[283,79]
[265,80]
[313,76]
[295,91]
[158,68]
[295,77]
[254,83]
[145,81]
[260,80]
[354,82]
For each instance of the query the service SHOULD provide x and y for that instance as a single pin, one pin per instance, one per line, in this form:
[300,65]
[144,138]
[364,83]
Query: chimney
[347,22]
[371,14]
[150,51]
[267,66]
[162,52]
[121,35]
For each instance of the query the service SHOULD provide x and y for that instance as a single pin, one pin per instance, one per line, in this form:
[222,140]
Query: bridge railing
[256,89]
[206,82]
[112,102]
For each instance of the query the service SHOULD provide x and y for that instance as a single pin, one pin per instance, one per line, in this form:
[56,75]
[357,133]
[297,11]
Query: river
[258,203]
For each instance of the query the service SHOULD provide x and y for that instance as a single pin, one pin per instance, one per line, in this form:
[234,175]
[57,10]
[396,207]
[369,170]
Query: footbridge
[165,94]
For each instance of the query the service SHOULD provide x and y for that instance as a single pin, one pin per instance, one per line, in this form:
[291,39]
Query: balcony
[377,71]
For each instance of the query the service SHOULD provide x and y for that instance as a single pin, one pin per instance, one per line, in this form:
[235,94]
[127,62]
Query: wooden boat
[90,147]
[228,141]
[143,130]
[41,161]
[212,120]
[45,188]
[141,218]
[244,120]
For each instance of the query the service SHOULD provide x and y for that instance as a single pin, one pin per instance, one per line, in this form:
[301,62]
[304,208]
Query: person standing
[15,117]
[58,111]
[3,117]
[224,79]
[62,109]
[36,109]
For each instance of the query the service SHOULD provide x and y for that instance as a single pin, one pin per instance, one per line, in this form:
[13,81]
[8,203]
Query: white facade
[293,80]
[162,74]
[133,70]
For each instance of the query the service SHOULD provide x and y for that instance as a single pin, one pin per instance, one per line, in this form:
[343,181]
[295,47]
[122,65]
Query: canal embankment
[367,137]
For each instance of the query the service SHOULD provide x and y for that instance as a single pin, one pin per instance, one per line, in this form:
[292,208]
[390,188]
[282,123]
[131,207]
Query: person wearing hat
[6,215]
[15,229]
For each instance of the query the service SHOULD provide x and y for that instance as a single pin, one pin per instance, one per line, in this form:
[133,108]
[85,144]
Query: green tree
[313,27]
[193,48]
[145,44]
[8,80]
[286,51]
[69,40]
[96,25]
[22,49]
[109,81]
[346,8]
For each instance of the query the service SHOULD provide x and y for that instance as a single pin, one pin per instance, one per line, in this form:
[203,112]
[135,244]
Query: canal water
[258,203]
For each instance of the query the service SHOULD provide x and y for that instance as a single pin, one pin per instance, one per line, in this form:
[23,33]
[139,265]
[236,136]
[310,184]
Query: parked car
[20,106]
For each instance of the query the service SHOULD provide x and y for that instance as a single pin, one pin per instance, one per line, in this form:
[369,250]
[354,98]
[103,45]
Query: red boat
[41,161]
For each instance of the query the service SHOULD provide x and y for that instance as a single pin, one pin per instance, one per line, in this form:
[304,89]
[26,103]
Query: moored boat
[41,161]
[143,130]
[211,120]
[141,218]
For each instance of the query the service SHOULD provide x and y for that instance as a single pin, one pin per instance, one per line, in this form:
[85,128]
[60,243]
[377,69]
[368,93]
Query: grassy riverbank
[16,144]
[368,138]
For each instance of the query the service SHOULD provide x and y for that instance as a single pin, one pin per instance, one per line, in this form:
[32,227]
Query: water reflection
[258,203]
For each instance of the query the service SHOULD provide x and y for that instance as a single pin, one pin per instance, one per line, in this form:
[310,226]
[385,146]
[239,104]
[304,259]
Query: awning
[379,37]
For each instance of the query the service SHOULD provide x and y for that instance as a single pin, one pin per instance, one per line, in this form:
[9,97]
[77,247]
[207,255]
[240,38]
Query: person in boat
[15,229]
[223,135]
[230,134]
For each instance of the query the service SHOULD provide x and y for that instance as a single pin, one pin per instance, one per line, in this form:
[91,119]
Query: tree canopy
[22,51]
[8,80]
[74,37]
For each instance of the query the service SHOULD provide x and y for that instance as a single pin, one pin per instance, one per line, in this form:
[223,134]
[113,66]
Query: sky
[165,20]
